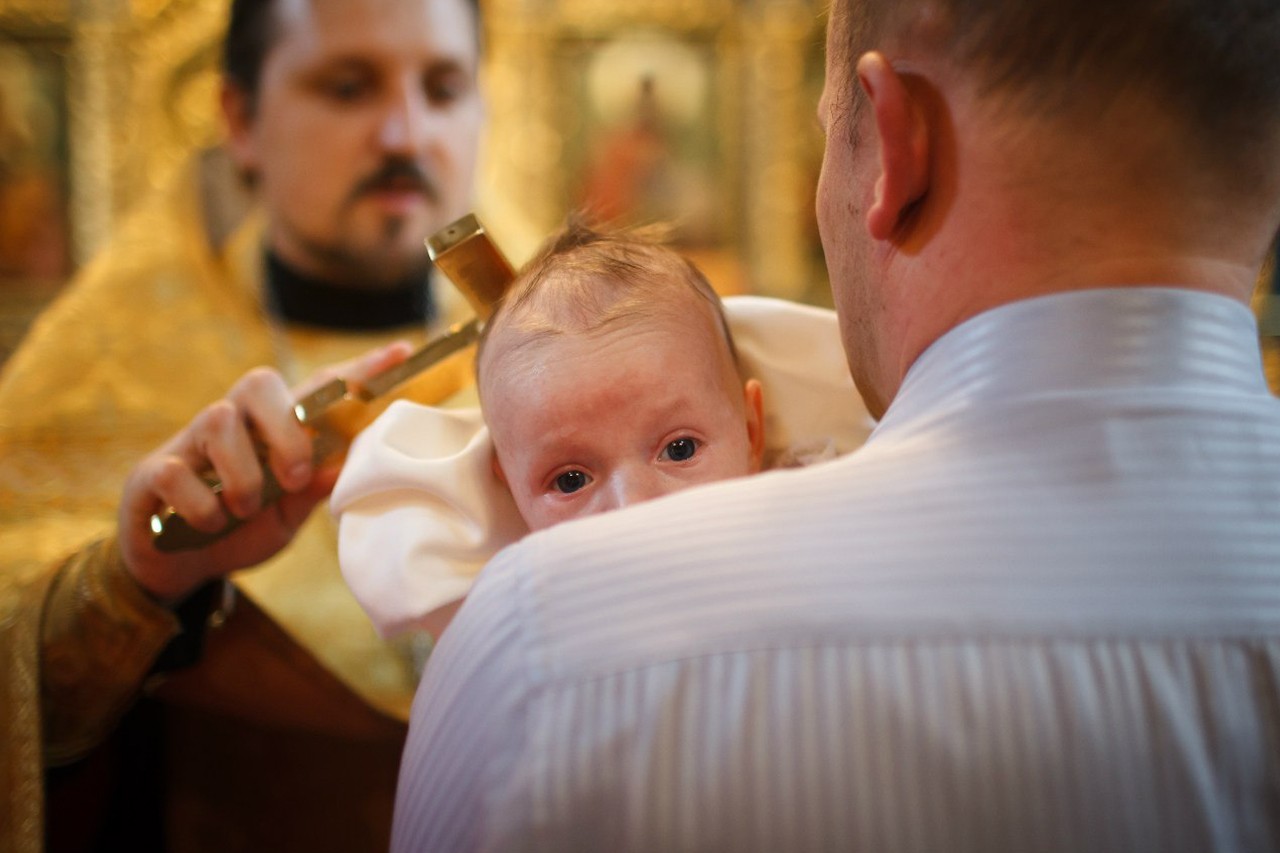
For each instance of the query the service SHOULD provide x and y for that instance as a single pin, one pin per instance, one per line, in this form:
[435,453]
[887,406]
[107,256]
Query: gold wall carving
[142,94]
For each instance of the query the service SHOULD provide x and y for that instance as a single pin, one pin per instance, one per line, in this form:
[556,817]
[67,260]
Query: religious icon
[33,163]
[649,147]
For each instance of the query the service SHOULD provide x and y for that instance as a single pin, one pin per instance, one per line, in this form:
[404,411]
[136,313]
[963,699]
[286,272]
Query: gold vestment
[158,326]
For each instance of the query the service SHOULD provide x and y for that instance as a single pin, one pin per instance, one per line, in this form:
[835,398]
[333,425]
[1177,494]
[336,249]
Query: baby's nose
[633,484]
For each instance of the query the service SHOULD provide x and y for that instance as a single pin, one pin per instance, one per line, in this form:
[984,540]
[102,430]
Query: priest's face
[362,135]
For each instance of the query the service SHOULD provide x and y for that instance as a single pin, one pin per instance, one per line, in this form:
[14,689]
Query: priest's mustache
[398,174]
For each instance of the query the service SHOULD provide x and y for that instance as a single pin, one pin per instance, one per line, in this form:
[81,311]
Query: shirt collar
[1121,338]
[298,298]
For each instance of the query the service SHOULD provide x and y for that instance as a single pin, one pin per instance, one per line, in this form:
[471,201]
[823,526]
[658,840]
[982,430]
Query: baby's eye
[570,481]
[681,449]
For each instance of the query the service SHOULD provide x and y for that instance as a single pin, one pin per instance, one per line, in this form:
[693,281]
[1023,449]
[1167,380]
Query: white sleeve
[419,512]
[466,730]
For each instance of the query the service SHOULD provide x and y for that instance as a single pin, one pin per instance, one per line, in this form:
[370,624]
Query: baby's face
[587,423]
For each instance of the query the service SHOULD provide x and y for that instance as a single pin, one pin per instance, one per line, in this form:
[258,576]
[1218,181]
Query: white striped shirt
[1038,611]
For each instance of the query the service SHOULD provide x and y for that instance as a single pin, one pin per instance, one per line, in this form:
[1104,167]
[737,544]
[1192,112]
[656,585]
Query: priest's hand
[230,441]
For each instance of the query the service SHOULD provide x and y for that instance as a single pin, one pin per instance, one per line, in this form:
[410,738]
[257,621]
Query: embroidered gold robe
[161,324]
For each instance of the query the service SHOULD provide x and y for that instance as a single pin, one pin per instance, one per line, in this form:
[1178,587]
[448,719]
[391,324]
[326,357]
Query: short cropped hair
[1212,65]
[252,31]
[585,277]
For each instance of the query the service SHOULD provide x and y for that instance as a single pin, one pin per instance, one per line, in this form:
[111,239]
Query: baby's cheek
[730,462]
[531,510]
[549,509]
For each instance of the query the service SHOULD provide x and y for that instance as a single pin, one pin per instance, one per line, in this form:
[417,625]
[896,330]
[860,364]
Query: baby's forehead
[585,295]
[537,335]
[648,372]
[534,340]
[583,301]
[594,294]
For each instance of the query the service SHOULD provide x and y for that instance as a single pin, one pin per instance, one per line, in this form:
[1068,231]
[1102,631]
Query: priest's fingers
[359,368]
[162,479]
[263,404]
[211,472]
[166,480]
[223,473]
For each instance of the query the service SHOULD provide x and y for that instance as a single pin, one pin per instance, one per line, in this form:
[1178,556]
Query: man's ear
[903,137]
[237,115]
[753,395]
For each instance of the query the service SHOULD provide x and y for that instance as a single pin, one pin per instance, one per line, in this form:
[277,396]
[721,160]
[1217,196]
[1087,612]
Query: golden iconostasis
[695,112]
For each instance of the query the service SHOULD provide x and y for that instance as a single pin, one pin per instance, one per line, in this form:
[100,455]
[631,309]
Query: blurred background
[696,112]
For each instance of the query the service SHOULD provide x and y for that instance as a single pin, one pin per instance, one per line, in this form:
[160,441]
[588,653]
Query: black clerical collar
[296,298]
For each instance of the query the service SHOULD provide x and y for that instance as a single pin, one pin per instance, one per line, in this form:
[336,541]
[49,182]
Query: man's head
[608,376]
[358,122]
[983,151]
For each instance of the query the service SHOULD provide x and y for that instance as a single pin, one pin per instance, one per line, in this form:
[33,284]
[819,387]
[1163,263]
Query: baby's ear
[753,395]
[496,465]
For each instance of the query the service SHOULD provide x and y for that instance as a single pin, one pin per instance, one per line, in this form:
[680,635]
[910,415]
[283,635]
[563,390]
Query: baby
[608,375]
